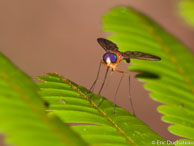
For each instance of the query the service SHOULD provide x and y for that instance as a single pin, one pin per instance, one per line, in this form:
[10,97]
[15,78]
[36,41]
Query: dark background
[43,36]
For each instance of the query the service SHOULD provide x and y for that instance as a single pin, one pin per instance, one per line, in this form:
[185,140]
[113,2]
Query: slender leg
[108,78]
[94,83]
[101,99]
[116,93]
[130,99]
[120,71]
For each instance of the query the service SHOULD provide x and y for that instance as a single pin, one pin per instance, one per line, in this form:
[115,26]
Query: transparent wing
[107,45]
[140,55]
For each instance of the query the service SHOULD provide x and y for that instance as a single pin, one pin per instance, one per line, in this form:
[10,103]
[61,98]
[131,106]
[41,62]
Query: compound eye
[105,57]
[109,58]
[113,58]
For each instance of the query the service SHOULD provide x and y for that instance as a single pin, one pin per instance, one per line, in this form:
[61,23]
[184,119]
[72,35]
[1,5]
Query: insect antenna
[114,108]
[130,99]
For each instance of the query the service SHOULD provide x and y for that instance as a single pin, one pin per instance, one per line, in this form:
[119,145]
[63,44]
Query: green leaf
[171,80]
[186,10]
[100,126]
[182,142]
[22,113]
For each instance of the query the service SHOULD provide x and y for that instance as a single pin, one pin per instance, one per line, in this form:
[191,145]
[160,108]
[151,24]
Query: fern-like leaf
[71,103]
[173,77]
[22,113]
[186,10]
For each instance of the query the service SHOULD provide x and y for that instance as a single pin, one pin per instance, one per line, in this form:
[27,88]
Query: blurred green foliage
[171,80]
[23,120]
[186,11]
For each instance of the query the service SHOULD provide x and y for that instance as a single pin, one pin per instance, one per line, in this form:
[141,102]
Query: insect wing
[140,55]
[107,45]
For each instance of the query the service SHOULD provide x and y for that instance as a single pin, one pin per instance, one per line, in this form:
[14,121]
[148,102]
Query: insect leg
[94,83]
[101,99]
[108,79]
[130,99]
[120,71]
[116,93]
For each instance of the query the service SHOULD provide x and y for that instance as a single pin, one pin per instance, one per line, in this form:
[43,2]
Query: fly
[112,58]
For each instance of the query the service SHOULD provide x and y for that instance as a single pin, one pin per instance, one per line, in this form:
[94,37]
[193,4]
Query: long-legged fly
[112,58]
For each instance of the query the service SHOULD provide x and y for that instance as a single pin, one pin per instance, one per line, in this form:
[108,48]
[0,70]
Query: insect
[113,57]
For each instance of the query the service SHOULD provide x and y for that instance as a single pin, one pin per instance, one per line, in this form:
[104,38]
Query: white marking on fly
[108,61]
